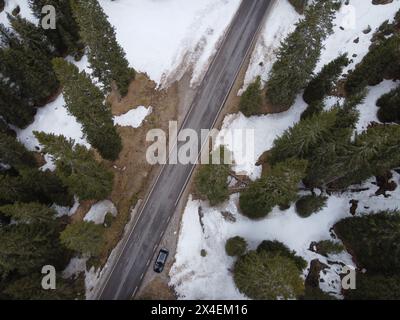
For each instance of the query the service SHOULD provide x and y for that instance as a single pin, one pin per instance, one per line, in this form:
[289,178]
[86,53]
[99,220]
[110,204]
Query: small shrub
[327,247]
[389,106]
[203,253]
[235,246]
[251,100]
[308,205]
[276,247]
[108,219]
[266,276]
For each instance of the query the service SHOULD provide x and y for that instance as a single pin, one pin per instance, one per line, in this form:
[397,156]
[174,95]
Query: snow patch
[133,118]
[99,210]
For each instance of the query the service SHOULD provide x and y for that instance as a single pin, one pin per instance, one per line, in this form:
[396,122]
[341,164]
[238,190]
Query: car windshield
[162,256]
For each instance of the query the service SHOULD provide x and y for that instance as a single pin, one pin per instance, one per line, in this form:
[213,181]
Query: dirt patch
[157,289]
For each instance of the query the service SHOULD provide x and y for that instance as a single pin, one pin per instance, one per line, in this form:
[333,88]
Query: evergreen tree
[14,153]
[375,287]
[212,180]
[308,205]
[323,82]
[32,185]
[77,167]
[265,276]
[235,247]
[381,62]
[86,102]
[29,213]
[27,247]
[30,288]
[314,108]
[299,54]
[15,109]
[31,35]
[251,99]
[389,106]
[278,188]
[26,71]
[65,38]
[83,237]
[374,240]
[301,140]
[106,56]
[276,247]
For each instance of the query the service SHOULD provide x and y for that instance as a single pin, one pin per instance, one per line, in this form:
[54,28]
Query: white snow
[52,118]
[133,118]
[355,18]
[158,36]
[266,129]
[368,109]
[196,277]
[25,11]
[99,210]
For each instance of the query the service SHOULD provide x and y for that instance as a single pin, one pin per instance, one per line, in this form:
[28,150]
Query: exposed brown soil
[157,289]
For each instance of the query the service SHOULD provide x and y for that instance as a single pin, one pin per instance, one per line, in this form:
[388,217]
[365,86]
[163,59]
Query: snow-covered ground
[99,210]
[210,277]
[11,5]
[133,118]
[160,36]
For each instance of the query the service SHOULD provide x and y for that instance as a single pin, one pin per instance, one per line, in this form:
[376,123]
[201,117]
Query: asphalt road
[136,257]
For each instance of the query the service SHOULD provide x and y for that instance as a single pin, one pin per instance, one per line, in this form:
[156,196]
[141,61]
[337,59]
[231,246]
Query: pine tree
[251,100]
[323,82]
[86,102]
[30,288]
[15,109]
[301,140]
[27,71]
[211,180]
[33,185]
[83,237]
[265,276]
[374,240]
[235,247]
[14,153]
[278,188]
[381,62]
[106,56]
[31,35]
[77,167]
[29,213]
[65,38]
[299,54]
[389,106]
[27,247]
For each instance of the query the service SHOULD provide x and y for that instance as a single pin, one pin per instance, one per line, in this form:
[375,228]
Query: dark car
[161,260]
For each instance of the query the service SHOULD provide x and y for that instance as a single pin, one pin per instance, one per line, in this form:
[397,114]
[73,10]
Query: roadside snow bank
[158,36]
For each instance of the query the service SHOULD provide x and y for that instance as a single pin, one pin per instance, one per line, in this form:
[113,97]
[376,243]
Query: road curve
[127,272]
